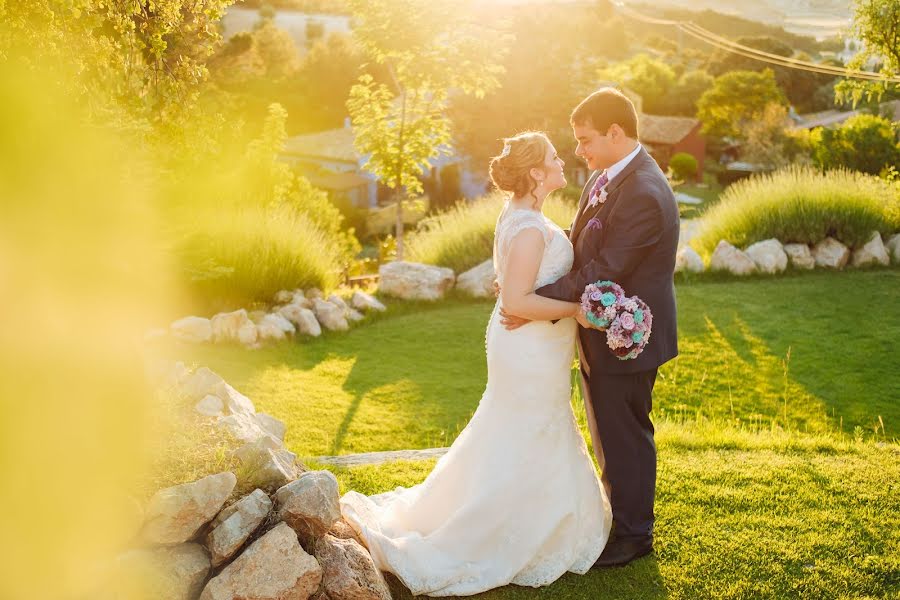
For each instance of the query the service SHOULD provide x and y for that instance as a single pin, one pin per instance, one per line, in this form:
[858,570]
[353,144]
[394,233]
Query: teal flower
[637,336]
[608,299]
[638,316]
[596,321]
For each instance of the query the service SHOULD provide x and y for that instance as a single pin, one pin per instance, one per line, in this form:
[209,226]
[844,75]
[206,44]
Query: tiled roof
[334,144]
[665,130]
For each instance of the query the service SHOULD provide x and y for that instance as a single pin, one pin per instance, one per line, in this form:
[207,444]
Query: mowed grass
[761,517]
[818,352]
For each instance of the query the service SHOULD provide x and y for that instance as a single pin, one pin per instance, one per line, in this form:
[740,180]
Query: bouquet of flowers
[627,321]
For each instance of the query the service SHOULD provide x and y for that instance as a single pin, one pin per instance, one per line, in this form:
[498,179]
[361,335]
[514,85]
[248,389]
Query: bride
[516,498]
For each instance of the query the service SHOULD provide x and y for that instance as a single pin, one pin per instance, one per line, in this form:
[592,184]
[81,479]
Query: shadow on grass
[640,579]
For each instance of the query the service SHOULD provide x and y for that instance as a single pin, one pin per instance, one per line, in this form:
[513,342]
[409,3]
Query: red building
[663,137]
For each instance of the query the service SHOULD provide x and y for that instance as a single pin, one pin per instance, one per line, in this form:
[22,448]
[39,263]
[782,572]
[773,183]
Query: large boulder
[244,428]
[274,426]
[330,315]
[303,318]
[267,463]
[728,258]
[366,302]
[831,254]
[768,256]
[415,281]
[274,326]
[235,524]
[479,280]
[348,571]
[192,329]
[235,402]
[800,256]
[174,573]
[871,253]
[234,326]
[310,504]
[274,567]
[210,406]
[175,514]
[687,259]
[200,384]
[893,247]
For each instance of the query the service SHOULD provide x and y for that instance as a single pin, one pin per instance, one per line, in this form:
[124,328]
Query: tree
[324,80]
[652,79]
[277,50]
[429,48]
[736,99]
[687,91]
[766,138]
[863,143]
[877,24]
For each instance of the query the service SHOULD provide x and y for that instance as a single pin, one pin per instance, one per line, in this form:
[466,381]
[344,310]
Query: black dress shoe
[620,552]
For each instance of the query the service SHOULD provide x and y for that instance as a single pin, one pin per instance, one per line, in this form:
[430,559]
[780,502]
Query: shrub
[463,236]
[233,258]
[684,166]
[863,143]
[799,204]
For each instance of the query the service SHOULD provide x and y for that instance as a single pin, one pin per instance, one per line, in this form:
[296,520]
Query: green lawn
[776,477]
[751,352]
[768,520]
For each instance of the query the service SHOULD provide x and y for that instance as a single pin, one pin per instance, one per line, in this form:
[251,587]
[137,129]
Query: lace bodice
[558,254]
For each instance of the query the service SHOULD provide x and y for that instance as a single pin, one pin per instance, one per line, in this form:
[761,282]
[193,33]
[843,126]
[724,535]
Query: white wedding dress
[516,498]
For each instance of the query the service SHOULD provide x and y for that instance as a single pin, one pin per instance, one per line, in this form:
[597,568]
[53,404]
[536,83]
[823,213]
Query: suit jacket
[634,247]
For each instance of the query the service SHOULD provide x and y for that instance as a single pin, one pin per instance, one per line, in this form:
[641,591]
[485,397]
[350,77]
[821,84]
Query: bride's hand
[582,320]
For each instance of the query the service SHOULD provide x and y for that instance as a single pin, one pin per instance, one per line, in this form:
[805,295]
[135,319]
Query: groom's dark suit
[635,247]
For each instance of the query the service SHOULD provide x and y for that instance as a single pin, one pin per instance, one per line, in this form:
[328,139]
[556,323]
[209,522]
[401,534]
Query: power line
[725,44]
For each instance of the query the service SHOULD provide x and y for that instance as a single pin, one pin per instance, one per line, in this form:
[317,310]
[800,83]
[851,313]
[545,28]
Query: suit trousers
[621,410]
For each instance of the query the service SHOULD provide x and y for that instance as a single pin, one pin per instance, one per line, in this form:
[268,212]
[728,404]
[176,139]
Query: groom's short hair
[605,107]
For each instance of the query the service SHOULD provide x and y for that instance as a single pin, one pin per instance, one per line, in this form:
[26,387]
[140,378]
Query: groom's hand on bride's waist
[511,322]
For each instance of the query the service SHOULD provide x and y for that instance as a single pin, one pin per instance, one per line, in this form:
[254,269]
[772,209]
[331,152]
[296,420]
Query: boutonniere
[594,224]
[598,197]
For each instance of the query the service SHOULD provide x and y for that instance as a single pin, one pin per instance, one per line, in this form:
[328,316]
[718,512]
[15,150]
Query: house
[665,136]
[330,161]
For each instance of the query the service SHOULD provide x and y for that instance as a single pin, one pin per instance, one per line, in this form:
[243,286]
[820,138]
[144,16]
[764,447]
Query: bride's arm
[517,294]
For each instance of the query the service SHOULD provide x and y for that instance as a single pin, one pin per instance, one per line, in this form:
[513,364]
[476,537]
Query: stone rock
[274,426]
[235,402]
[267,464]
[274,327]
[728,258]
[871,253]
[310,504]
[331,316]
[201,383]
[478,281]
[303,318]
[342,530]
[365,302]
[313,293]
[893,247]
[687,259]
[235,524]
[284,297]
[256,316]
[768,255]
[355,316]
[173,573]
[415,281]
[339,302]
[274,567]
[166,374]
[348,571]
[211,406]
[243,427]
[234,326]
[192,329]
[800,256]
[175,514]
[831,254]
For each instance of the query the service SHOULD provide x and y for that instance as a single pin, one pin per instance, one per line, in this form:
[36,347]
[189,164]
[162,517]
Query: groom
[626,231]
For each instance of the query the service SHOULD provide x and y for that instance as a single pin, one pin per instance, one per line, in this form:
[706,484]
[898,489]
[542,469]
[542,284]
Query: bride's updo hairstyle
[511,169]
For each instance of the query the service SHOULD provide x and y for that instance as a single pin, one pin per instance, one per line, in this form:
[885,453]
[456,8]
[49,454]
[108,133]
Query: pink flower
[627,321]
